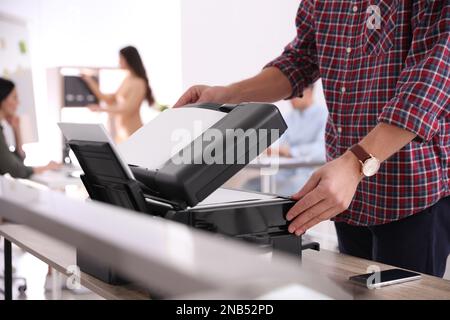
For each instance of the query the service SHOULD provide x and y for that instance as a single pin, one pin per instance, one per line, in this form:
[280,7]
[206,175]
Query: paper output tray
[104,177]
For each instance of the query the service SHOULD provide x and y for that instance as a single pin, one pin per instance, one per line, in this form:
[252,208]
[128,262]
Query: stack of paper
[159,140]
[223,195]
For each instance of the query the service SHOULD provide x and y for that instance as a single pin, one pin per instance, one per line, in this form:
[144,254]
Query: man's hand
[327,193]
[282,151]
[200,94]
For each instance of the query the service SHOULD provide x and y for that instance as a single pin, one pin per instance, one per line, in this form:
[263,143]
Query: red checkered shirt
[395,72]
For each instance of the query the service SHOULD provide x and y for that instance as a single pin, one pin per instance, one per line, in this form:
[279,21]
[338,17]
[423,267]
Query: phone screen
[385,277]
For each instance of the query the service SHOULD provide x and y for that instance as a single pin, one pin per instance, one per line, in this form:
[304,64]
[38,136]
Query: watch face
[371,167]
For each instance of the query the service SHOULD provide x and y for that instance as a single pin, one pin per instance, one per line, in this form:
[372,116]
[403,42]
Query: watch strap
[360,153]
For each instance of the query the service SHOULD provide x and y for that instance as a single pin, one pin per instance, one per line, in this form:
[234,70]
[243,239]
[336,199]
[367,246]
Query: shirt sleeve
[423,90]
[10,163]
[298,62]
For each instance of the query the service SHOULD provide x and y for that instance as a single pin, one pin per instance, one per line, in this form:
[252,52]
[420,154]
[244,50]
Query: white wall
[90,32]
[224,41]
[16,65]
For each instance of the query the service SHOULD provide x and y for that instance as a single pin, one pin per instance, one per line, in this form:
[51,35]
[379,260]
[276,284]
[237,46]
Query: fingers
[308,187]
[184,100]
[284,151]
[311,223]
[308,201]
[298,225]
[191,96]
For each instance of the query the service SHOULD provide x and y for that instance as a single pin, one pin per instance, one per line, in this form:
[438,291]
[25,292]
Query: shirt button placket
[348,52]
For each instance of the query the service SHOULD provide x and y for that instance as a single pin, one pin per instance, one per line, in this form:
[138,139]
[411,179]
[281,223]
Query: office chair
[22,288]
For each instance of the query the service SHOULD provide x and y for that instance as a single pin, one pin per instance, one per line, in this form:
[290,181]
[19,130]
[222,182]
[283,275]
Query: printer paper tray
[226,198]
[259,215]
[240,204]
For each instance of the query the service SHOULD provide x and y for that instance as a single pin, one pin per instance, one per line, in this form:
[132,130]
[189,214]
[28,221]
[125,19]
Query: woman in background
[12,162]
[125,104]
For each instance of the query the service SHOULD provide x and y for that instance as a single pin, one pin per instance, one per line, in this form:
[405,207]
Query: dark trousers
[420,242]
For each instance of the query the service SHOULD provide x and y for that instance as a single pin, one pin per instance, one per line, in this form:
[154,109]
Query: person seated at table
[125,104]
[304,140]
[12,161]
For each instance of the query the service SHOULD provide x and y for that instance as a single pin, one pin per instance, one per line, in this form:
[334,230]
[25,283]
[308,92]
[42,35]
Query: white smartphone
[385,278]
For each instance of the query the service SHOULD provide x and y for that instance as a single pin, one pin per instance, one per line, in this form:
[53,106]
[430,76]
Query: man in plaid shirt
[385,67]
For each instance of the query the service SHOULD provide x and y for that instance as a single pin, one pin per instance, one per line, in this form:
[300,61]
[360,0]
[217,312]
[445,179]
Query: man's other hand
[327,193]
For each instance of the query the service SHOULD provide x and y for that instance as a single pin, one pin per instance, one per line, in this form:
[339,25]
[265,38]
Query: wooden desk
[340,267]
[333,265]
[60,256]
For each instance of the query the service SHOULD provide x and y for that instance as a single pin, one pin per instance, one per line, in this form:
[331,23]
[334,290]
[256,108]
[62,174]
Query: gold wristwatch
[369,164]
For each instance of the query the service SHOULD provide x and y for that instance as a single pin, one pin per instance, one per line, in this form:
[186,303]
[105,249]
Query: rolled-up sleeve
[423,90]
[298,62]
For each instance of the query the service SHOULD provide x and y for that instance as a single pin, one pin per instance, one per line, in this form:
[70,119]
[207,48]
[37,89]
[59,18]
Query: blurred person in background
[12,161]
[304,140]
[125,104]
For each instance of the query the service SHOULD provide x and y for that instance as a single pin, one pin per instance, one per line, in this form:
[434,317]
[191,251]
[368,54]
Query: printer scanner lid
[241,133]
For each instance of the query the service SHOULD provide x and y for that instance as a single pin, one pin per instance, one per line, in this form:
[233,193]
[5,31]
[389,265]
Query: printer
[189,191]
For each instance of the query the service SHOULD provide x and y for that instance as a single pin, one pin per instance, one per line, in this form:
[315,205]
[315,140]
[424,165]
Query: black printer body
[190,193]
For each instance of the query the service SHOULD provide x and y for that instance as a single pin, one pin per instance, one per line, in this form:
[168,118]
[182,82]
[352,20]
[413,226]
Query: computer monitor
[77,93]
